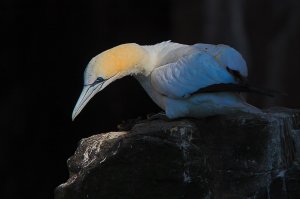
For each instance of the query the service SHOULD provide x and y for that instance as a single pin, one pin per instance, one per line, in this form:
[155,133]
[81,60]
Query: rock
[233,156]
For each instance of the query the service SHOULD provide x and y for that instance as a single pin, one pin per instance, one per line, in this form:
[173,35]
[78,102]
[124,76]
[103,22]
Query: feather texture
[189,74]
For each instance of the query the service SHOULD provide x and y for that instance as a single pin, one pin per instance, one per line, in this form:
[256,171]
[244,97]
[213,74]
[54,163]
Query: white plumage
[172,74]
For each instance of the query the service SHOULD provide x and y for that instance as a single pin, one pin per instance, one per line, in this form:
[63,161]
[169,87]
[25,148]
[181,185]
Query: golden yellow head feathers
[120,59]
[109,66]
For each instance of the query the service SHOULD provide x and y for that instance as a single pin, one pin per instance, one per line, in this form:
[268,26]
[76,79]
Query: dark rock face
[238,156]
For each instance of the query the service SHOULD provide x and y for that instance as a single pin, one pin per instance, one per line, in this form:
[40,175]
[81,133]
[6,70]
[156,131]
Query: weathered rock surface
[237,156]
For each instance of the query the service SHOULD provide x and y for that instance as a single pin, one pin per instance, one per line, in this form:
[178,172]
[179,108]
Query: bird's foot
[158,116]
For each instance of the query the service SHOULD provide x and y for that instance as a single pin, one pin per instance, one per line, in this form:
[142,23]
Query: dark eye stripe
[98,80]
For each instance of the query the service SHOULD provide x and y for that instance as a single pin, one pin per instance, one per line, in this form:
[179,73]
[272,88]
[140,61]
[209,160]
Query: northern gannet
[184,80]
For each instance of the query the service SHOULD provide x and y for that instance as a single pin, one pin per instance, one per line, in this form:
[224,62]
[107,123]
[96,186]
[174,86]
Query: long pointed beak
[87,93]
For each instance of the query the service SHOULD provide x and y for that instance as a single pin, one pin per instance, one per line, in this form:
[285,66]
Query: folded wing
[226,56]
[189,74]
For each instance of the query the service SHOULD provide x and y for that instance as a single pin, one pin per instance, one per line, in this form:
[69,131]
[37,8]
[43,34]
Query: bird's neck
[161,54]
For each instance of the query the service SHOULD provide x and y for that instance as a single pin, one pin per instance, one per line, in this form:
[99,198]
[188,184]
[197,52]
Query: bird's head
[108,66]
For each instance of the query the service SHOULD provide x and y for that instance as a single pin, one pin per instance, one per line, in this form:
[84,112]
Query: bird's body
[198,105]
[179,78]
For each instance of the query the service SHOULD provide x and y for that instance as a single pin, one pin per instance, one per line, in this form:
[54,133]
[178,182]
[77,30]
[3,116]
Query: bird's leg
[158,116]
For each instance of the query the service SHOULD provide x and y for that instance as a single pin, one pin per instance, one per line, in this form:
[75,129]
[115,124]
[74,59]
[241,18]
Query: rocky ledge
[234,156]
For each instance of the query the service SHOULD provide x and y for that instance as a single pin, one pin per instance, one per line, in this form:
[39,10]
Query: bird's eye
[98,80]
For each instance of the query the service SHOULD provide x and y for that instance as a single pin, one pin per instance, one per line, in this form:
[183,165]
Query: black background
[45,46]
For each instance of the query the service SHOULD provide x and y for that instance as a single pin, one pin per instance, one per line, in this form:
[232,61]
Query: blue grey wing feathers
[189,74]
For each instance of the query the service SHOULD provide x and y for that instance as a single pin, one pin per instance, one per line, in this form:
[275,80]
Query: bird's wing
[226,56]
[189,74]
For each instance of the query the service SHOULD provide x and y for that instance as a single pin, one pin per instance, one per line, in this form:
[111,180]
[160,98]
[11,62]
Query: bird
[197,81]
